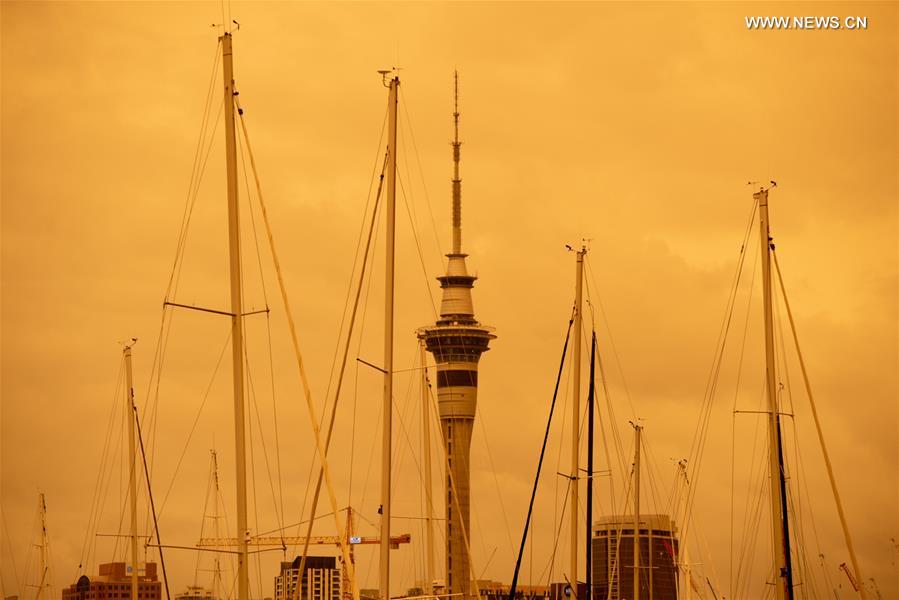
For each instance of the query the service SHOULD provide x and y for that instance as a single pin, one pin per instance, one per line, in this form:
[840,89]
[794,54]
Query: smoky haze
[636,126]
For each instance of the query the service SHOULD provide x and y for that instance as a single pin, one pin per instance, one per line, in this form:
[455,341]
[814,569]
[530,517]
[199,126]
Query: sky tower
[457,341]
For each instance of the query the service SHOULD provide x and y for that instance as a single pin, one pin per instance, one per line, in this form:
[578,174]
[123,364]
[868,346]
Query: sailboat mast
[426,442]
[43,554]
[132,467]
[575,414]
[390,243]
[591,393]
[783,576]
[236,321]
[217,567]
[637,431]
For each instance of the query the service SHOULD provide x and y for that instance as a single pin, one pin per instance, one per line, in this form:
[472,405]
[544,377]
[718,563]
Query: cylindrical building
[613,551]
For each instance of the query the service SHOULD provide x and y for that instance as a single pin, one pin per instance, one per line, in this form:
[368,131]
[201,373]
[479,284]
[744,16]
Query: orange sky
[634,125]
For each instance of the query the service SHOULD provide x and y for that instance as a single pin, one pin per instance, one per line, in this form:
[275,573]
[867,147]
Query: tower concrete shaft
[457,341]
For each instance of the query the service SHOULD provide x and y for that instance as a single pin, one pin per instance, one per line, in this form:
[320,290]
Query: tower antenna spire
[457,180]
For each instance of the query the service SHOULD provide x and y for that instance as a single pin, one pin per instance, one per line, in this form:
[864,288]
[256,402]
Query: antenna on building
[457,180]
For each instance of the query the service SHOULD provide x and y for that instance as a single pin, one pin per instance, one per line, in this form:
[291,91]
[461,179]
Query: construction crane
[850,576]
[876,589]
[326,540]
[321,540]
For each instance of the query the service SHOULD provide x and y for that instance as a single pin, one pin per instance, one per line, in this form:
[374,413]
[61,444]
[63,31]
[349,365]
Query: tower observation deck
[457,341]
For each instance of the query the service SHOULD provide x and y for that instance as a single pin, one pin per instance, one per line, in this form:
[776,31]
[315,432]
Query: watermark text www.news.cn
[811,22]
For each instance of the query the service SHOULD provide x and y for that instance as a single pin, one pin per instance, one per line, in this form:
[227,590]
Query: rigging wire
[612,420]
[380,413]
[499,495]
[29,560]
[347,299]
[209,482]
[701,433]
[602,429]
[98,485]
[616,435]
[118,417]
[279,516]
[371,453]
[548,569]
[527,521]
[140,439]
[803,478]
[794,497]
[421,259]
[556,480]
[197,171]
[808,389]
[752,519]
[194,425]
[616,569]
[398,449]
[739,372]
[345,356]
[301,367]
[408,121]
[12,557]
[359,236]
[252,448]
[349,332]
[252,390]
[608,330]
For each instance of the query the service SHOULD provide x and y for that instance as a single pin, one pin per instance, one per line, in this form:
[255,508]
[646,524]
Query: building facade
[321,581]
[114,583]
[195,592]
[613,558]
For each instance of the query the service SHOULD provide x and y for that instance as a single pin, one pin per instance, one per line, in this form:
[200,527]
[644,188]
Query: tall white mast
[236,322]
[132,468]
[426,442]
[388,340]
[575,416]
[637,432]
[780,537]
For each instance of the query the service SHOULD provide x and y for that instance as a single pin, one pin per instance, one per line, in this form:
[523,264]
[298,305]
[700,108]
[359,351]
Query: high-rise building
[613,557]
[457,341]
[321,581]
[114,583]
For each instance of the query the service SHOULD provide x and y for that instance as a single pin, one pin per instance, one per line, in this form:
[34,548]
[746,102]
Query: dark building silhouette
[114,583]
[321,581]
[613,558]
